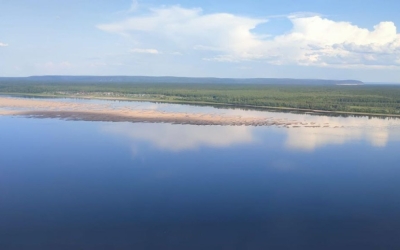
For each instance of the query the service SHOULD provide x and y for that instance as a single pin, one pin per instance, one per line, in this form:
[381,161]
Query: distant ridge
[188,80]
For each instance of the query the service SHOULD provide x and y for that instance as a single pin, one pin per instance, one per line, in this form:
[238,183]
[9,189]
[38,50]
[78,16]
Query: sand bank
[52,108]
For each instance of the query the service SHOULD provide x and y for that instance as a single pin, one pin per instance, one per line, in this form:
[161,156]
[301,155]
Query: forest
[364,98]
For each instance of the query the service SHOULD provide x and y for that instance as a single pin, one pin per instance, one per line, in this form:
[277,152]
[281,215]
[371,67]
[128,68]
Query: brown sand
[97,112]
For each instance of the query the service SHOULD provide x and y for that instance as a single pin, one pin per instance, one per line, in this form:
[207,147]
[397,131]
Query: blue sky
[288,38]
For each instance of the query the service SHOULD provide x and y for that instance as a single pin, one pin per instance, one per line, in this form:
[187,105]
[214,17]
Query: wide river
[119,185]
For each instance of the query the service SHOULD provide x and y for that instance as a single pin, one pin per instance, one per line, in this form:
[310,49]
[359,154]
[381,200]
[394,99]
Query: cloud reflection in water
[377,132]
[183,137]
[177,138]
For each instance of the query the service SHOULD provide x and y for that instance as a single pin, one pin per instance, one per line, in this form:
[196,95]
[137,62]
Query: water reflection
[377,132]
[183,137]
[77,187]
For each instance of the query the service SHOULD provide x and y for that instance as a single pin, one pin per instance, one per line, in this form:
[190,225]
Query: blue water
[98,185]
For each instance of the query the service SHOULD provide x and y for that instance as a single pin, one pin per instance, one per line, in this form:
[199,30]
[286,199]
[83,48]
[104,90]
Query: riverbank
[213,104]
[53,108]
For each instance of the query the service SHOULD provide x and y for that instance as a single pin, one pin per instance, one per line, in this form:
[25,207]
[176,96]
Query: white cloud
[320,41]
[3,45]
[190,28]
[313,40]
[134,6]
[145,51]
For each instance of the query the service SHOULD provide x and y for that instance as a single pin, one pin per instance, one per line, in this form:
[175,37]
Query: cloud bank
[3,45]
[313,40]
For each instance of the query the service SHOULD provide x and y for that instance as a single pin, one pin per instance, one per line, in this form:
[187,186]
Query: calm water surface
[99,185]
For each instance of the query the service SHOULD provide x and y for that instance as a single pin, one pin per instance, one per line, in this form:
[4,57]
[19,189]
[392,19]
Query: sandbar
[53,108]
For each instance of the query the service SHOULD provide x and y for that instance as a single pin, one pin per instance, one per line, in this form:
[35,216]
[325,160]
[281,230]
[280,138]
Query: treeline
[384,99]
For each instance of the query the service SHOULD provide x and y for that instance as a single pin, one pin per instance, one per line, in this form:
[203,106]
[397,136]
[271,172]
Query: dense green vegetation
[382,99]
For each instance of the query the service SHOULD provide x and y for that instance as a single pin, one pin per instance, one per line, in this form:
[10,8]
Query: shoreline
[51,108]
[212,104]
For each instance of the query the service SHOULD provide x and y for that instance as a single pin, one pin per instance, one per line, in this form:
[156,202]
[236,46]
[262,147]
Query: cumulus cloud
[313,40]
[190,29]
[320,41]
[145,51]
[3,45]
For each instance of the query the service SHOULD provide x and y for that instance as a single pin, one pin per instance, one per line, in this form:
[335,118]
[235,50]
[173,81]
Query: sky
[323,39]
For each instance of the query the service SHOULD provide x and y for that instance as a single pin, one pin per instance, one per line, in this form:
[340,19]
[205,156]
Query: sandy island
[40,108]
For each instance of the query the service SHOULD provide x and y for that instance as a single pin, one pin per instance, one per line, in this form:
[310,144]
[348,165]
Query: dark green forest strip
[362,99]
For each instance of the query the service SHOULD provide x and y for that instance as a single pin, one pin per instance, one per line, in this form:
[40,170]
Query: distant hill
[187,80]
